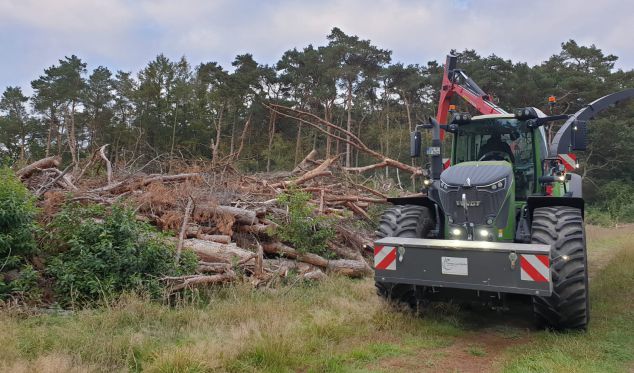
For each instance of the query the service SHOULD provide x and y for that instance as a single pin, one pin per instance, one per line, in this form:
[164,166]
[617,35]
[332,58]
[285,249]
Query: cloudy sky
[126,34]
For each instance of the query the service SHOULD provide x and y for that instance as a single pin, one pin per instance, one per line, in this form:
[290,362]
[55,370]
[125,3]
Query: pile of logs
[227,218]
[219,262]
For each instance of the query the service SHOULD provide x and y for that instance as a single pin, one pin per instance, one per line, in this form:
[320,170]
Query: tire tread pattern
[567,307]
[409,221]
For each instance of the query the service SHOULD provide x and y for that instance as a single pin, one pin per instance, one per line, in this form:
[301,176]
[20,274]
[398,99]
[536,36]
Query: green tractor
[505,219]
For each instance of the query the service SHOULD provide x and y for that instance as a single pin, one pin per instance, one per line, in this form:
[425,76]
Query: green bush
[99,254]
[303,230]
[596,216]
[614,202]
[17,228]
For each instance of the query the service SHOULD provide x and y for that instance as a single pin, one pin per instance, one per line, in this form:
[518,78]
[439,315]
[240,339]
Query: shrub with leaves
[17,228]
[303,230]
[99,254]
[614,203]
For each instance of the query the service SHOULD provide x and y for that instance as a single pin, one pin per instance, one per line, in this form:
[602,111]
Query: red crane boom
[455,81]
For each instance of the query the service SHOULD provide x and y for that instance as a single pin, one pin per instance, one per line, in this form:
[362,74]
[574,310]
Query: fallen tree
[338,133]
[352,268]
[42,164]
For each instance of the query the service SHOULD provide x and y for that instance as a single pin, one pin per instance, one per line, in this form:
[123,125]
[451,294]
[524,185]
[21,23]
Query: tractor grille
[490,204]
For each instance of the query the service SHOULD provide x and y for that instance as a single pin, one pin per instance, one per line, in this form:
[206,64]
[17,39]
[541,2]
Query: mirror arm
[534,123]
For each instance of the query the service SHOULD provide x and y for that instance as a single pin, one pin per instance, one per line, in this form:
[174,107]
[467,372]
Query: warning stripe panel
[535,268]
[446,162]
[385,257]
[377,251]
[569,161]
[544,259]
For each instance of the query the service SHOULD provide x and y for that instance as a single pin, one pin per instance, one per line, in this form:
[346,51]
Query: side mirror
[451,128]
[415,144]
[578,140]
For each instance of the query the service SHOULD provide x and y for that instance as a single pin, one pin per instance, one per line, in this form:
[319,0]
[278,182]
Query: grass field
[336,326]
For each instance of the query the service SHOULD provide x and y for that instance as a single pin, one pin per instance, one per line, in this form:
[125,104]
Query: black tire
[408,221]
[567,308]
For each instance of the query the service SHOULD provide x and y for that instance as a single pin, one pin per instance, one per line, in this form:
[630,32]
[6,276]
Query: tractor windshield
[499,139]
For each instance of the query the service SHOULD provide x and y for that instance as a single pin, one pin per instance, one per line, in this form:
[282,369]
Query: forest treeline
[171,109]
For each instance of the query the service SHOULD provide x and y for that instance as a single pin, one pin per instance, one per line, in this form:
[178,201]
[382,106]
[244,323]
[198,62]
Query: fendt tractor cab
[506,216]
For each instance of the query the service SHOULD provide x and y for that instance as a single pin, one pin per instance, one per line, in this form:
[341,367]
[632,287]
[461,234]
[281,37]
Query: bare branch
[102,154]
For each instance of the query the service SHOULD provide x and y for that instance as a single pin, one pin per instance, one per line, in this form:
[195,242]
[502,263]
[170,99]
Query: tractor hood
[476,173]
[487,188]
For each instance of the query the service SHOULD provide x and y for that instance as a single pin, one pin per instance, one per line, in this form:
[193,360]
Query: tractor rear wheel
[409,221]
[567,307]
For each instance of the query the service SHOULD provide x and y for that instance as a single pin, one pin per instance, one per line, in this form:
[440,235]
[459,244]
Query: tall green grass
[339,325]
[237,329]
[608,346]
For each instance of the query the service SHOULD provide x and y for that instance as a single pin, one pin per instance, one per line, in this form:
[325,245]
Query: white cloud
[126,34]
[67,15]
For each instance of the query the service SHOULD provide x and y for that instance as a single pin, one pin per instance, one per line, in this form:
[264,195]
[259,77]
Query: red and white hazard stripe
[535,268]
[569,161]
[385,257]
[446,162]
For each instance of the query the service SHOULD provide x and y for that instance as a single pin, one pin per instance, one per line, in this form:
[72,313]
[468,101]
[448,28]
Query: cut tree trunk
[220,238]
[191,281]
[358,210]
[49,162]
[345,252]
[347,267]
[350,268]
[241,216]
[206,267]
[307,163]
[130,185]
[215,252]
[288,252]
[256,228]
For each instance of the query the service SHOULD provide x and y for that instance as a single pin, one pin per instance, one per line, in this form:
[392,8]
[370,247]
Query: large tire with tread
[409,221]
[567,307]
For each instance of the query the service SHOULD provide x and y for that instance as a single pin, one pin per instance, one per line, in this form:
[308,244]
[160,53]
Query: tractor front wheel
[567,307]
[408,221]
